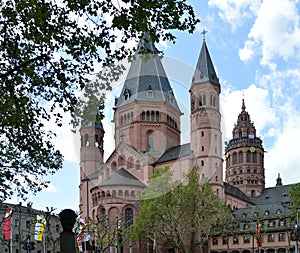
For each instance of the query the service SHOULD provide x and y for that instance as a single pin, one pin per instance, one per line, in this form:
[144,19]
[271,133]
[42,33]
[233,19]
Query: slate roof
[174,153]
[231,190]
[94,175]
[272,203]
[273,195]
[147,75]
[205,70]
[97,124]
[122,177]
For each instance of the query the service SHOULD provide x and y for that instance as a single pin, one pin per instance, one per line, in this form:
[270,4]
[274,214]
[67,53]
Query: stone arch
[137,165]
[113,214]
[120,193]
[121,160]
[130,162]
[126,193]
[113,166]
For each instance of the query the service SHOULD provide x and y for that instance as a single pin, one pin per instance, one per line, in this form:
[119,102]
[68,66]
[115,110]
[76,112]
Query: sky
[255,48]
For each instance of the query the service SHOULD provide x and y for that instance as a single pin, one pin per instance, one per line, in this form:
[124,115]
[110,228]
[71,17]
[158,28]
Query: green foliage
[295,199]
[49,51]
[178,212]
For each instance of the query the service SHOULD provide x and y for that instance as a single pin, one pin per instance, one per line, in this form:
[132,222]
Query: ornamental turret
[245,157]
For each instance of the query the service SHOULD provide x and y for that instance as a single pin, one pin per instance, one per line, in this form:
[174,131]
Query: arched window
[157,116]
[248,158]
[125,119]
[102,215]
[240,133]
[120,193]
[241,160]
[86,140]
[122,122]
[128,217]
[128,118]
[121,160]
[114,166]
[143,115]
[254,157]
[212,100]
[152,115]
[130,163]
[148,115]
[131,116]
[137,165]
[234,157]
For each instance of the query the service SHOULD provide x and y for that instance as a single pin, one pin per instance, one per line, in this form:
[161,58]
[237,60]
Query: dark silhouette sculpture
[67,237]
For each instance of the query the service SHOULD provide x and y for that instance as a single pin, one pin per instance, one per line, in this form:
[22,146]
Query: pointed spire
[278,180]
[205,70]
[243,106]
[146,79]
[146,46]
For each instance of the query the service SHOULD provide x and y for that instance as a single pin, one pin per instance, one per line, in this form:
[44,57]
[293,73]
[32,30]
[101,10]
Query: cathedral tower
[91,158]
[147,116]
[206,137]
[245,157]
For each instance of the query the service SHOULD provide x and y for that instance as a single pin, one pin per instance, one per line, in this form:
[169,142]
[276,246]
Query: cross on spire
[203,33]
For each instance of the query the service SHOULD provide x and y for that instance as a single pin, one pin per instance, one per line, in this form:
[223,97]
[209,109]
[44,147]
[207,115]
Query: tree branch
[24,64]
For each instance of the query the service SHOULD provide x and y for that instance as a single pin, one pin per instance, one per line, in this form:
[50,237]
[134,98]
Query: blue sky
[255,47]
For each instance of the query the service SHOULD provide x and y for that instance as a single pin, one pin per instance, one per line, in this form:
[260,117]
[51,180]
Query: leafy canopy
[181,214]
[49,50]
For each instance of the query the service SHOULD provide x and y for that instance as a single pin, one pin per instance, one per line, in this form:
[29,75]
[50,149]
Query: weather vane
[203,33]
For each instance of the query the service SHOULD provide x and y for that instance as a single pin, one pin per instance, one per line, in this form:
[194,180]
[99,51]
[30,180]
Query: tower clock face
[252,149]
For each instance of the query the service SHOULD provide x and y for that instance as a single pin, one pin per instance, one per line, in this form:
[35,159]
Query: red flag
[258,236]
[7,234]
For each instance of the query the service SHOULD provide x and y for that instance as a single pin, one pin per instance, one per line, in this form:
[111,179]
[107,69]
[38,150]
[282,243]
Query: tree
[181,215]
[295,199]
[49,51]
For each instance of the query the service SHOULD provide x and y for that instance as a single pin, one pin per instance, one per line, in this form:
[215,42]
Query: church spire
[146,79]
[205,70]
[243,106]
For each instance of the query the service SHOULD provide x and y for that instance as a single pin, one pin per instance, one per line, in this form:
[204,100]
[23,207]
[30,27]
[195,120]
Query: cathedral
[147,123]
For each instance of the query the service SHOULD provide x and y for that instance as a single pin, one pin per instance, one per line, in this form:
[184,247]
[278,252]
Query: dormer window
[127,94]
[267,212]
[149,91]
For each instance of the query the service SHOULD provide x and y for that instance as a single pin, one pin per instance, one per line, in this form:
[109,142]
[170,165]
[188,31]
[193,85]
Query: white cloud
[283,156]
[235,12]
[275,32]
[247,53]
[255,99]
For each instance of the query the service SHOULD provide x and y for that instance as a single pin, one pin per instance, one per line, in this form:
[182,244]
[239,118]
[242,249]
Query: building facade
[147,135]
[22,224]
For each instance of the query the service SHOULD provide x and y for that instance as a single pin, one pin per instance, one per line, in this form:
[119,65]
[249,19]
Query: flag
[7,228]
[258,236]
[79,228]
[39,227]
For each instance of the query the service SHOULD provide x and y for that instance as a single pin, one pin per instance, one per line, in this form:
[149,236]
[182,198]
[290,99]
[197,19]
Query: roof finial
[203,33]
[243,103]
